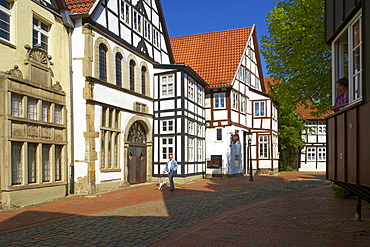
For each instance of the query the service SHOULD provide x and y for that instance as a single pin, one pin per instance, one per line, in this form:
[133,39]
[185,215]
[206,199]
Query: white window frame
[138,19]
[167,85]
[219,100]
[125,12]
[243,104]
[8,13]
[191,127]
[167,125]
[311,153]
[190,88]
[235,101]
[191,149]
[258,105]
[343,51]
[263,146]
[40,33]
[167,147]
[156,41]
[200,150]
[321,154]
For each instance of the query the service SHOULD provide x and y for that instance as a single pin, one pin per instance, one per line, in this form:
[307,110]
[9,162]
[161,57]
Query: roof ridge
[215,32]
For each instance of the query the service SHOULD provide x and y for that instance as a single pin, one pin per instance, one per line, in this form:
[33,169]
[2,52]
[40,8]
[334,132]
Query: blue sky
[187,17]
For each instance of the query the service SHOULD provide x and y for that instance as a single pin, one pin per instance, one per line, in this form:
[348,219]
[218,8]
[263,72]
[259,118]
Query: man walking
[171,168]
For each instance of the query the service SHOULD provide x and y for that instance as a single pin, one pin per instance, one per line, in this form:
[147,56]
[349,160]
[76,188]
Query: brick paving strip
[140,216]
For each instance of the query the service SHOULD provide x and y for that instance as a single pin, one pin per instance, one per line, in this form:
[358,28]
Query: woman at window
[342,100]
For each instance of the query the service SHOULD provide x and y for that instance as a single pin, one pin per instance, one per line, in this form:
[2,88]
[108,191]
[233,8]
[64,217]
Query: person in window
[342,100]
[171,168]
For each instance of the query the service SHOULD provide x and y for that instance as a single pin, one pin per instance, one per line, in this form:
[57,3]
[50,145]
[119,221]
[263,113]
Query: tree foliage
[296,54]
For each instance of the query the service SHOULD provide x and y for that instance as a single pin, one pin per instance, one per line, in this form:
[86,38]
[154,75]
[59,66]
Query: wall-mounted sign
[235,137]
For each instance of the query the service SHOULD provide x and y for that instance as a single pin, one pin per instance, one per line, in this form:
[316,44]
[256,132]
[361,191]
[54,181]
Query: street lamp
[250,135]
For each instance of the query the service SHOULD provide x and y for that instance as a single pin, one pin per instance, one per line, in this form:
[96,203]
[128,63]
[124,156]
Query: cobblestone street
[291,209]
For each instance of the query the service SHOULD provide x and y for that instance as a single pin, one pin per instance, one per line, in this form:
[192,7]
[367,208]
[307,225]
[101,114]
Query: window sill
[110,170]
[7,43]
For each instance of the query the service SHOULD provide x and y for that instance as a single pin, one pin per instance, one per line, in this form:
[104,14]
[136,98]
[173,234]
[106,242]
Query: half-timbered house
[34,83]
[348,31]
[179,121]
[115,45]
[236,102]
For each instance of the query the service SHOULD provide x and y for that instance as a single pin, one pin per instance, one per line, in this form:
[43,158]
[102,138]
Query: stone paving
[292,209]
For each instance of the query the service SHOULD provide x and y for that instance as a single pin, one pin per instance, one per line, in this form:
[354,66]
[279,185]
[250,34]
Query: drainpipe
[71,117]
[69,24]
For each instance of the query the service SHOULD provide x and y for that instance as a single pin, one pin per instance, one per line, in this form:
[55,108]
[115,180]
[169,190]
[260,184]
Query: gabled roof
[214,56]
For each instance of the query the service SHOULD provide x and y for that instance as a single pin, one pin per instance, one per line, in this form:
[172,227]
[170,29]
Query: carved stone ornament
[16,72]
[37,54]
[46,133]
[57,86]
[137,134]
[33,131]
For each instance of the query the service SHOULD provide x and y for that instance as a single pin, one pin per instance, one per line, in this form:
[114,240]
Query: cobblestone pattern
[147,223]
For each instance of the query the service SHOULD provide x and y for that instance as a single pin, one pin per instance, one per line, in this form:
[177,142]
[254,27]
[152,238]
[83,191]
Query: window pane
[58,162]
[31,108]
[58,114]
[118,69]
[45,111]
[17,163]
[46,163]
[32,162]
[16,107]
[102,62]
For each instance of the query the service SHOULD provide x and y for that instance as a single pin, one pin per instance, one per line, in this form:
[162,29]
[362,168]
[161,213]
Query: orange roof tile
[80,6]
[214,56]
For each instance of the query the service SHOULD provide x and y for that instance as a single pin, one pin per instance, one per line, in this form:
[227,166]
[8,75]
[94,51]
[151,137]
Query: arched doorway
[136,155]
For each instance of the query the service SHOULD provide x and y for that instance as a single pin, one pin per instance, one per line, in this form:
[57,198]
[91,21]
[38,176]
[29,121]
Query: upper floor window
[5,13]
[191,89]
[156,37]
[235,101]
[31,108]
[137,21]
[102,62]
[248,77]
[16,105]
[118,69]
[259,109]
[167,125]
[219,134]
[219,100]
[347,57]
[125,12]
[46,111]
[167,85]
[200,97]
[40,34]
[167,147]
[242,74]
[132,75]
[143,80]
[58,114]
[243,104]
[147,29]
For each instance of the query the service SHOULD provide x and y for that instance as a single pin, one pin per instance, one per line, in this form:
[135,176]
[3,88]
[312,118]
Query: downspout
[69,24]
[71,117]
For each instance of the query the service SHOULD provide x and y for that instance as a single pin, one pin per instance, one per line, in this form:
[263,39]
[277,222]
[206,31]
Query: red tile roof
[80,6]
[214,56]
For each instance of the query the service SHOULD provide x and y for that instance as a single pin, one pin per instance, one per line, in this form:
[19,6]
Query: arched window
[143,78]
[118,69]
[102,62]
[132,75]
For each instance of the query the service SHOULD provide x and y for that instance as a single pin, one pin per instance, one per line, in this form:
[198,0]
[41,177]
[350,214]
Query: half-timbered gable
[114,47]
[229,62]
[179,120]
[347,30]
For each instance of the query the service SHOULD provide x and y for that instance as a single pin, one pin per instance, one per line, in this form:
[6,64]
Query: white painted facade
[112,104]
[313,154]
[179,120]
[236,109]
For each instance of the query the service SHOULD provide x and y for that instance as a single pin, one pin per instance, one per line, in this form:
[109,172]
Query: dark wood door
[136,164]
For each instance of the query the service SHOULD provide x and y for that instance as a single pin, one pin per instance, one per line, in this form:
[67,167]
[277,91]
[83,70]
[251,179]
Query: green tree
[296,55]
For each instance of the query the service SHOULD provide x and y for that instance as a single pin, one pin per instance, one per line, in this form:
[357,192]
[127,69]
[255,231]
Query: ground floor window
[109,149]
[263,147]
[27,159]
[167,147]
[316,154]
